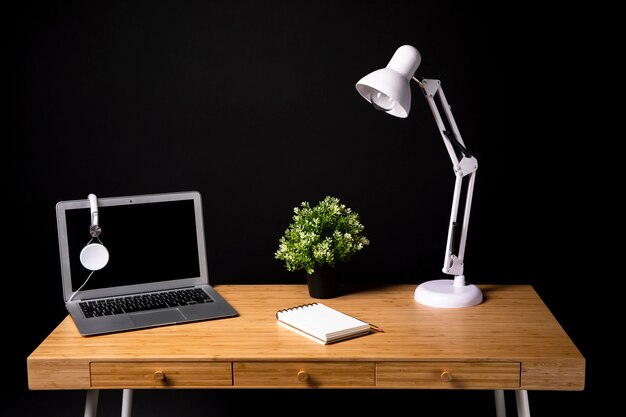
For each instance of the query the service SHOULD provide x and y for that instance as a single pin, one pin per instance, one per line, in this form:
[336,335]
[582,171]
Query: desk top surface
[512,324]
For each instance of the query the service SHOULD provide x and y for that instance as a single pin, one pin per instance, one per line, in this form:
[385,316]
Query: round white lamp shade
[388,89]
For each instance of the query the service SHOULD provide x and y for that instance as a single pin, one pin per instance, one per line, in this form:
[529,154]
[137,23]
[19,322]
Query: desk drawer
[452,375]
[304,374]
[160,374]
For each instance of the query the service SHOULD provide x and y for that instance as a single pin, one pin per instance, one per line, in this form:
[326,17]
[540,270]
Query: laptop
[146,266]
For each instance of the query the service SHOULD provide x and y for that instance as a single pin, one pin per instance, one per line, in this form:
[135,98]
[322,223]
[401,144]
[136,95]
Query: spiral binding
[295,308]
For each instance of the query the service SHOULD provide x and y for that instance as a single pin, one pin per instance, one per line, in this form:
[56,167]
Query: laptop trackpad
[152,318]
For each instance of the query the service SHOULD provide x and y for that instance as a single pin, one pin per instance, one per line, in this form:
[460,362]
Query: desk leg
[91,403]
[500,404]
[523,409]
[127,402]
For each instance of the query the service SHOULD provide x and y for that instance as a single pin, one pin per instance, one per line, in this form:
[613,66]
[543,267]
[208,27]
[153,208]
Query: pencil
[375,328]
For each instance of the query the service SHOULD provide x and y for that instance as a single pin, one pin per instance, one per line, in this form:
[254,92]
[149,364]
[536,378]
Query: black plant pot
[323,282]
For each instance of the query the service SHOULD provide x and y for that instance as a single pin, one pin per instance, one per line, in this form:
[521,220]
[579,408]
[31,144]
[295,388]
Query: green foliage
[321,236]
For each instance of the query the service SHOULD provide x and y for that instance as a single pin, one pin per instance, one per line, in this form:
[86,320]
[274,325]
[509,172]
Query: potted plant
[318,240]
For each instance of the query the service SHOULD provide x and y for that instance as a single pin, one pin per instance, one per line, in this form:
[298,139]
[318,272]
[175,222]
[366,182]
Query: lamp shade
[388,89]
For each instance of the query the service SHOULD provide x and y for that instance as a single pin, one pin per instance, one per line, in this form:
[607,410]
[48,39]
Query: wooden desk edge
[67,374]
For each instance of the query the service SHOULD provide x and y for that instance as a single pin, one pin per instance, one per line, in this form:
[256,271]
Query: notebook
[155,271]
[321,323]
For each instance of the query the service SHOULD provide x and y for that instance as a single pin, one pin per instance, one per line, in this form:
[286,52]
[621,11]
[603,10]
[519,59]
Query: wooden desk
[509,342]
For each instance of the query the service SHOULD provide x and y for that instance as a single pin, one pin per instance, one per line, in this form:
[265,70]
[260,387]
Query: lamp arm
[463,168]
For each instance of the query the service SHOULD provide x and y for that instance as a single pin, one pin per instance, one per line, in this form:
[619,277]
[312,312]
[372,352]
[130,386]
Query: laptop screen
[147,243]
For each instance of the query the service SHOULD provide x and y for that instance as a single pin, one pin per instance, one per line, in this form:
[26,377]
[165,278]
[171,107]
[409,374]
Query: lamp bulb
[382,101]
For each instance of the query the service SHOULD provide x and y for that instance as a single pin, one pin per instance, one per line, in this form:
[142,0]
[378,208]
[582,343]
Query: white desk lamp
[388,90]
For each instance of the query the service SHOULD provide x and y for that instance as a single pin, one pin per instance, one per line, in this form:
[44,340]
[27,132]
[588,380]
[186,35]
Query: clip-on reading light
[94,256]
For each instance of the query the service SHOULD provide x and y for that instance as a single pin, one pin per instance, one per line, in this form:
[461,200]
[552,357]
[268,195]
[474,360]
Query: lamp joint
[454,266]
[430,86]
[466,166]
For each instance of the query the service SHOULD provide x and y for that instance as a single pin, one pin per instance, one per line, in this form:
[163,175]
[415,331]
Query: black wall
[254,105]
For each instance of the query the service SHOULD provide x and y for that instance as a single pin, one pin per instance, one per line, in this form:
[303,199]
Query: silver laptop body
[155,248]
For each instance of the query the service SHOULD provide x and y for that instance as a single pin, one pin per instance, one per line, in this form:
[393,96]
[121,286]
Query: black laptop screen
[147,242]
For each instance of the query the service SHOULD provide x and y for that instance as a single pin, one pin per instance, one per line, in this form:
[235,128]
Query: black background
[253,104]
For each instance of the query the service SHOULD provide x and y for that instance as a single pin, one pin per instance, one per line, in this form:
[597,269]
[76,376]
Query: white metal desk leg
[91,403]
[523,409]
[127,402]
[500,404]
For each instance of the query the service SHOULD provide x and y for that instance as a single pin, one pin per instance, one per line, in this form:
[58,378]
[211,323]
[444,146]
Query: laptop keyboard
[144,302]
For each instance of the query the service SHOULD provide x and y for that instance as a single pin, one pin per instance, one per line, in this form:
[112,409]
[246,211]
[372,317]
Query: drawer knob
[159,376]
[446,376]
[303,376]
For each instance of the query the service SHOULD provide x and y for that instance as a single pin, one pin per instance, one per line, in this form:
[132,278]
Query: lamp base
[444,293]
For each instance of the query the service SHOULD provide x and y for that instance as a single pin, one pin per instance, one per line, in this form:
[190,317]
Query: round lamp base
[443,293]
